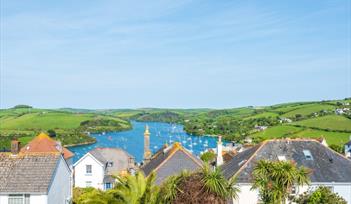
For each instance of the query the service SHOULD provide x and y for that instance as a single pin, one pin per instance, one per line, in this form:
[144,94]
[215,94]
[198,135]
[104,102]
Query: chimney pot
[15,146]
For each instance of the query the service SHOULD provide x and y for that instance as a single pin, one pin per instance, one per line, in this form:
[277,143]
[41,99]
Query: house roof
[27,173]
[326,164]
[170,161]
[120,159]
[44,143]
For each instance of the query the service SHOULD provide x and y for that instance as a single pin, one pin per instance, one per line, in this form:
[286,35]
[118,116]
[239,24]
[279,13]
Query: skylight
[308,155]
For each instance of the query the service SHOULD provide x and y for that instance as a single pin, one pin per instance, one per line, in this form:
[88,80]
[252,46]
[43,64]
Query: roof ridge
[251,157]
[176,147]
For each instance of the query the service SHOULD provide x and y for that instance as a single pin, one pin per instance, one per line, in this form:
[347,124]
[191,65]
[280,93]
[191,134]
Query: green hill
[298,119]
[70,127]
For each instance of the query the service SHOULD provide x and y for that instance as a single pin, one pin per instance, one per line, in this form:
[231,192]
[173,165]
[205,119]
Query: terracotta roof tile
[44,143]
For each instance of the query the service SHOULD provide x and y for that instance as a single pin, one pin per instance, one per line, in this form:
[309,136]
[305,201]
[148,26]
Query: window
[88,184]
[19,199]
[109,164]
[108,186]
[307,154]
[88,169]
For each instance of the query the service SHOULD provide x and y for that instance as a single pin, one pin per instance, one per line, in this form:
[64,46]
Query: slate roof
[27,173]
[121,160]
[44,143]
[171,161]
[326,165]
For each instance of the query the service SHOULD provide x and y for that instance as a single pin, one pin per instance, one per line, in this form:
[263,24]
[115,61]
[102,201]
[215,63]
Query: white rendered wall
[96,177]
[40,199]
[60,189]
[246,196]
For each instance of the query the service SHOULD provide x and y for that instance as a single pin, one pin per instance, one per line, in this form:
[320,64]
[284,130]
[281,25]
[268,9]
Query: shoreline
[80,144]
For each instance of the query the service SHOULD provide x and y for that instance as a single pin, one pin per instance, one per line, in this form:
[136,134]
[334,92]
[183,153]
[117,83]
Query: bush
[22,106]
[51,133]
[321,195]
[208,156]
[337,148]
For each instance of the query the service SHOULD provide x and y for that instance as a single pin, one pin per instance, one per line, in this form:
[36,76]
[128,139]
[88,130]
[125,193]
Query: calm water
[133,140]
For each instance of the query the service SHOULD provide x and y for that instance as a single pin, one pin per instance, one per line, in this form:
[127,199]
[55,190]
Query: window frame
[86,169]
[22,199]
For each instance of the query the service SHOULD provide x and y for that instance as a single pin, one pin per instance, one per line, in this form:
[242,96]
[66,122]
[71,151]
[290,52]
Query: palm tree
[274,180]
[135,189]
[205,186]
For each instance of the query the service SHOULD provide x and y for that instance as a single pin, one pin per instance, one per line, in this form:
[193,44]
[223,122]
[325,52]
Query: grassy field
[262,115]
[332,122]
[308,109]
[338,138]
[44,120]
[277,132]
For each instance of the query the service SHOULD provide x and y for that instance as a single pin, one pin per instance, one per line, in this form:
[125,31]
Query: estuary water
[133,140]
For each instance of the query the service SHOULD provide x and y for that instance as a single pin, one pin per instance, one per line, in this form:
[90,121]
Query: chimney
[147,152]
[15,146]
[219,151]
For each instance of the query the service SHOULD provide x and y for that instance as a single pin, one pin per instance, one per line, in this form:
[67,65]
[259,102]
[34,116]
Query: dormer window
[109,164]
[308,155]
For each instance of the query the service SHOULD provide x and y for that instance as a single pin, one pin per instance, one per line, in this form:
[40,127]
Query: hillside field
[331,122]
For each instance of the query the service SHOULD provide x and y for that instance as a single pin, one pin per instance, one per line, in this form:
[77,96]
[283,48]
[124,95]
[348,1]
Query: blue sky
[184,54]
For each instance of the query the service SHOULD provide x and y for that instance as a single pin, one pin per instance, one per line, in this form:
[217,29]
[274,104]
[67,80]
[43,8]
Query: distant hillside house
[171,160]
[44,143]
[260,128]
[339,111]
[34,178]
[98,167]
[329,168]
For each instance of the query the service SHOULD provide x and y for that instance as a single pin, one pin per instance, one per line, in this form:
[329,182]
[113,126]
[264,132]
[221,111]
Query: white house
[339,111]
[97,167]
[40,178]
[328,167]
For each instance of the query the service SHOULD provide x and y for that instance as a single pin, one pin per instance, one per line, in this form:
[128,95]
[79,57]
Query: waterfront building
[98,167]
[329,168]
[34,178]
